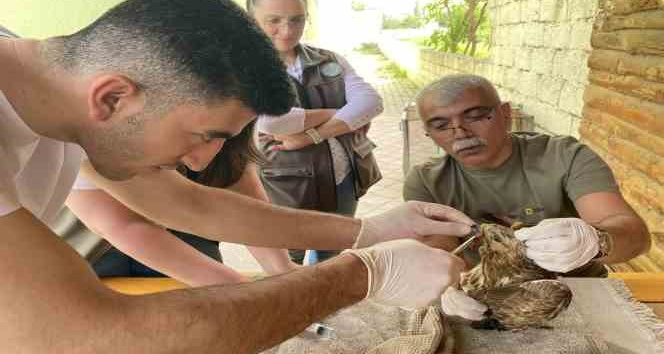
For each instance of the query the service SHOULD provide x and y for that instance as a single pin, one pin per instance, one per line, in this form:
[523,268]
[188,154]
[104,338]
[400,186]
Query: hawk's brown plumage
[519,293]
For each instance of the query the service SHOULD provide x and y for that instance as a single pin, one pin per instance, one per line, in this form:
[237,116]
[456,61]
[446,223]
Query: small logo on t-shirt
[532,215]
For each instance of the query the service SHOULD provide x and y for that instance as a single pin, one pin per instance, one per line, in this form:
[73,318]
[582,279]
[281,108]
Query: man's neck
[34,88]
[504,154]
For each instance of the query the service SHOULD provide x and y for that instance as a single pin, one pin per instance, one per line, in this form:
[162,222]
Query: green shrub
[359,5]
[368,48]
[410,21]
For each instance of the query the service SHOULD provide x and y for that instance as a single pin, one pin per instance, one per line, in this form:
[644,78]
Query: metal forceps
[474,234]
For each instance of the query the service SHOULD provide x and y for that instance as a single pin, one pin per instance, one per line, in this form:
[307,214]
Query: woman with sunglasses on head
[319,156]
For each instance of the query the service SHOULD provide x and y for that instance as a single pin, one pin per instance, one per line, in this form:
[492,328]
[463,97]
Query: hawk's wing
[527,304]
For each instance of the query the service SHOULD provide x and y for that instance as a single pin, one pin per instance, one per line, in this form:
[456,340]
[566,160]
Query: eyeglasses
[296,22]
[442,126]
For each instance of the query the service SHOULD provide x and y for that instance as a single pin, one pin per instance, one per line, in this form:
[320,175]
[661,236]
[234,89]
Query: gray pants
[346,205]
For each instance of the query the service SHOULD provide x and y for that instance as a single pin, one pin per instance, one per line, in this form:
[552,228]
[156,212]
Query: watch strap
[605,241]
[314,135]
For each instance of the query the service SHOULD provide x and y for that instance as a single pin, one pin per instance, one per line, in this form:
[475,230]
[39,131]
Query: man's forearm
[629,235]
[243,318]
[272,260]
[226,216]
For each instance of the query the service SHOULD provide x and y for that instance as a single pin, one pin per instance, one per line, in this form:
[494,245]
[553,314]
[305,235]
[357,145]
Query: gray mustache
[466,143]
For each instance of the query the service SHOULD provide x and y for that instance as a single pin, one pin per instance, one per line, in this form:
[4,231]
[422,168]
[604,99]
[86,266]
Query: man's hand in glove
[408,273]
[455,302]
[560,245]
[415,220]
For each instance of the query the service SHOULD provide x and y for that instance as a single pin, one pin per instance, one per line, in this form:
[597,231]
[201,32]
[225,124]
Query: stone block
[565,66]
[640,191]
[513,12]
[528,83]
[616,127]
[498,35]
[556,122]
[530,10]
[516,34]
[644,114]
[542,60]
[631,41]
[549,89]
[639,20]
[507,56]
[498,74]
[574,129]
[534,34]
[629,85]
[523,58]
[554,10]
[622,7]
[510,78]
[571,65]
[571,98]
[483,69]
[594,133]
[503,15]
[583,9]
[637,157]
[649,67]
[581,34]
[560,35]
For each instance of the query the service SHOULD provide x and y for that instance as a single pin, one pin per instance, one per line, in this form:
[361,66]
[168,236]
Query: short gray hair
[450,87]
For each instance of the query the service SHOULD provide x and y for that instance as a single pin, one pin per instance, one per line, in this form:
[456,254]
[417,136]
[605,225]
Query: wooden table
[646,287]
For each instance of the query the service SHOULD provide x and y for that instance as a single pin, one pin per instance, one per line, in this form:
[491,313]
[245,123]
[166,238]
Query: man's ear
[109,94]
[506,112]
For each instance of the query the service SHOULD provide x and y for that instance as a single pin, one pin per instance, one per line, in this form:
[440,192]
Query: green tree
[462,26]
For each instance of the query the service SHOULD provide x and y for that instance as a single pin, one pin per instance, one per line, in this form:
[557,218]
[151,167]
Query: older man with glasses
[558,186]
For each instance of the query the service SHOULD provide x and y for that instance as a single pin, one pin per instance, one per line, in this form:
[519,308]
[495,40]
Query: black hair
[229,164]
[196,50]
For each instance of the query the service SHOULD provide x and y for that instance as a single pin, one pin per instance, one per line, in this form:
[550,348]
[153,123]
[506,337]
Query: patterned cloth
[601,319]
[425,333]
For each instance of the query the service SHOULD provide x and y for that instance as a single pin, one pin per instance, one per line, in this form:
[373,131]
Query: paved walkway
[384,132]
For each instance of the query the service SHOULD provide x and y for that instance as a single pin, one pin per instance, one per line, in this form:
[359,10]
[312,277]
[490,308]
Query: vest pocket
[292,186]
[366,168]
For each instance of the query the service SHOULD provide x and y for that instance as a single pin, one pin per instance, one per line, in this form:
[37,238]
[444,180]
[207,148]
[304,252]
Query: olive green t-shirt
[541,180]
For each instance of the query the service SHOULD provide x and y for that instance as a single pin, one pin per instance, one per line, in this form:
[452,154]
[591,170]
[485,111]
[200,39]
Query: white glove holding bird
[455,302]
[560,245]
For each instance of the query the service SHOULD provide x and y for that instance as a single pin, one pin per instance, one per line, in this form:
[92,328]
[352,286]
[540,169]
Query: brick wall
[623,116]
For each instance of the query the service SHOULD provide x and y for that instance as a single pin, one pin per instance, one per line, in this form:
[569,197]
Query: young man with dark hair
[151,85]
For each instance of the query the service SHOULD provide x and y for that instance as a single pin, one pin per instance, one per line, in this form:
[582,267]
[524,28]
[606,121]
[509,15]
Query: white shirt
[363,103]
[36,172]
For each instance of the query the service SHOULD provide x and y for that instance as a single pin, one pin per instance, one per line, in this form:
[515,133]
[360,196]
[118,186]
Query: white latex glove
[560,245]
[413,220]
[455,302]
[408,273]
